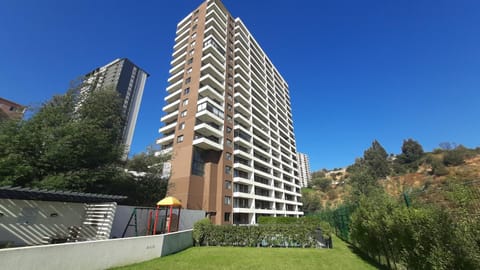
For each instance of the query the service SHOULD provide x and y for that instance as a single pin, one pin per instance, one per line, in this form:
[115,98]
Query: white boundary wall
[93,255]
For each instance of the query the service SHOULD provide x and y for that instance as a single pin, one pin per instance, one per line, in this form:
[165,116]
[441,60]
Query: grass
[340,257]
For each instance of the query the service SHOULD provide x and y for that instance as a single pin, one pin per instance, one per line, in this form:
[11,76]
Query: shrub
[273,232]
[200,230]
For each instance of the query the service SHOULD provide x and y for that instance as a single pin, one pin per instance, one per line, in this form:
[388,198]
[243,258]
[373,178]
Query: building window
[186,91]
[227,200]
[229,118]
[195,20]
[181,126]
[229,107]
[229,143]
[188,80]
[226,217]
[229,97]
[189,70]
[190,61]
[194,27]
[228,184]
[185,102]
[198,161]
[194,35]
[180,139]
[191,53]
[228,170]
[228,156]
[192,44]
[184,113]
[229,129]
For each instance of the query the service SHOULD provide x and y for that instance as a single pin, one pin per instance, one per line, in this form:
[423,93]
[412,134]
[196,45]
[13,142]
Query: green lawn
[340,257]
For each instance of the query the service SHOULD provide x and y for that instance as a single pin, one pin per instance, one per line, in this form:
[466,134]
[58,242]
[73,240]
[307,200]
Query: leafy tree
[146,171]
[375,159]
[311,202]
[455,156]
[322,183]
[412,151]
[64,146]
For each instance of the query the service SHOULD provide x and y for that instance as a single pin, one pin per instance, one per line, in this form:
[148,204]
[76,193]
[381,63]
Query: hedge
[272,233]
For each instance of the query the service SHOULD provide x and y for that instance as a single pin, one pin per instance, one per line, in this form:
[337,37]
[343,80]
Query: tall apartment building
[129,81]
[228,123]
[10,109]
[304,169]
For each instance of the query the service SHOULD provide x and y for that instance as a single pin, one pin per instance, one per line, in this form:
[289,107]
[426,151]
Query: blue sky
[357,70]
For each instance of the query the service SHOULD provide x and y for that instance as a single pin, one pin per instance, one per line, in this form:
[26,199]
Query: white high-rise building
[304,169]
[228,123]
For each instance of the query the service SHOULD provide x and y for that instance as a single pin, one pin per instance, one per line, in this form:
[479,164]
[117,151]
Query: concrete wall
[28,222]
[95,254]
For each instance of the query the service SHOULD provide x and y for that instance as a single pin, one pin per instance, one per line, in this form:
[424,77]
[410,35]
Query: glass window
[228,170]
[228,156]
[185,102]
[226,217]
[184,113]
[228,184]
[181,126]
[180,139]
[227,200]
[186,91]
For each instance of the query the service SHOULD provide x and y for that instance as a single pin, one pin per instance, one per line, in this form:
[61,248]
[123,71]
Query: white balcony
[173,96]
[181,43]
[239,88]
[208,79]
[168,128]
[240,79]
[212,22]
[211,59]
[241,109]
[179,67]
[210,69]
[211,49]
[208,130]
[166,140]
[243,167]
[207,144]
[242,142]
[241,98]
[221,39]
[175,78]
[240,61]
[172,106]
[242,180]
[178,55]
[174,87]
[208,91]
[207,116]
[169,117]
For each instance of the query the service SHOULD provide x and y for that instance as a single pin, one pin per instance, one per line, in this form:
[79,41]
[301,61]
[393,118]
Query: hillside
[331,188]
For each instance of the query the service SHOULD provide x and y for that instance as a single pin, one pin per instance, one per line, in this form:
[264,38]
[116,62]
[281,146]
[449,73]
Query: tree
[146,172]
[322,183]
[412,151]
[311,202]
[375,159]
[64,145]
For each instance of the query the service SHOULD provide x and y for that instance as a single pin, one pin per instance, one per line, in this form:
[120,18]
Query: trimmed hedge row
[301,233]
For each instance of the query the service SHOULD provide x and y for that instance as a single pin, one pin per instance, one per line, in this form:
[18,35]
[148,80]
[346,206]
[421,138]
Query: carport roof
[20,193]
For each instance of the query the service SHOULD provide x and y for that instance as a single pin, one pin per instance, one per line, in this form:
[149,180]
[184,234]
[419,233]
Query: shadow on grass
[365,257]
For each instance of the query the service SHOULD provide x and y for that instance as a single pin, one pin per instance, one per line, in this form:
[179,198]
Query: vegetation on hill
[415,210]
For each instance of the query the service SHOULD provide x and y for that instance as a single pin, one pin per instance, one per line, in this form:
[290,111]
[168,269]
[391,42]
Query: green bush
[273,232]
[200,230]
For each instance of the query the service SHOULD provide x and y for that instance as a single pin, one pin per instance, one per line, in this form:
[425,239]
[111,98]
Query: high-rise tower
[129,81]
[304,169]
[228,123]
